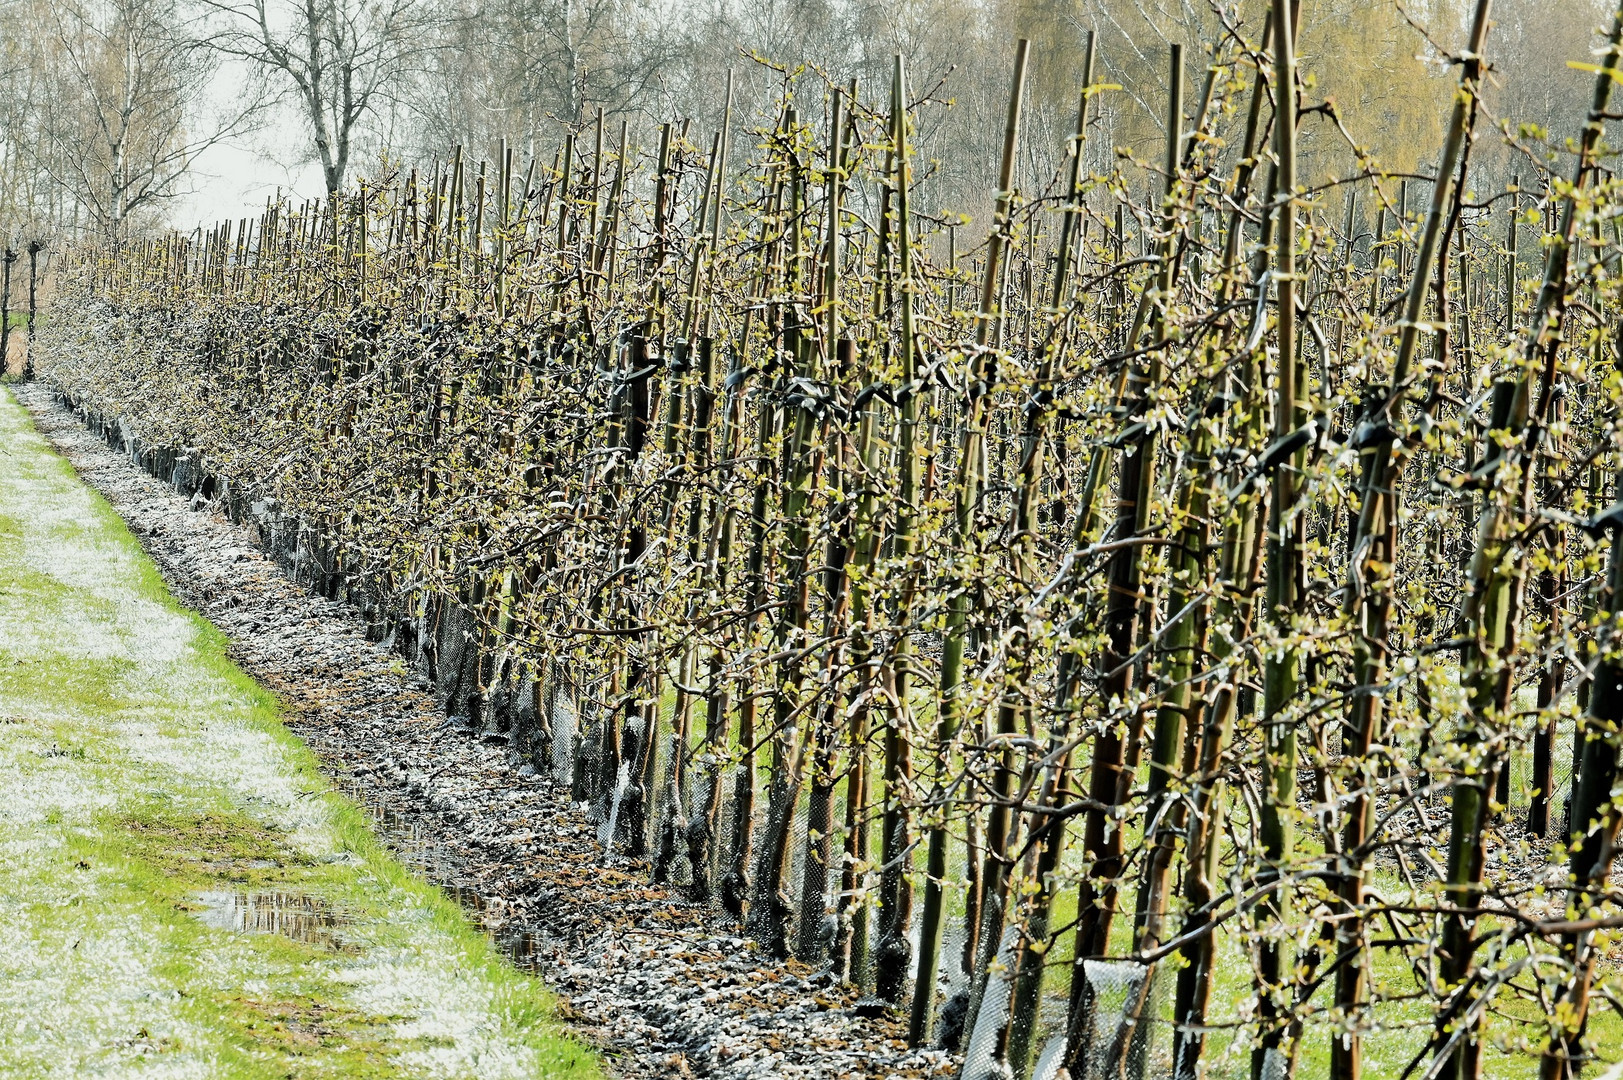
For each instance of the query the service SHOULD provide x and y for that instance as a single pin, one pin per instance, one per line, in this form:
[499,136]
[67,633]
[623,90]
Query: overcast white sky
[232,179]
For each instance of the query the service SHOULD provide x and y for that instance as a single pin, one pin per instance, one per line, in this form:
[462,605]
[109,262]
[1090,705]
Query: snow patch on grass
[78,992]
[451,1013]
[122,727]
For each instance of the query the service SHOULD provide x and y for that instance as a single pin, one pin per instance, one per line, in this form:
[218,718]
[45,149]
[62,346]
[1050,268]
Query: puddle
[411,845]
[400,832]
[522,948]
[519,946]
[297,916]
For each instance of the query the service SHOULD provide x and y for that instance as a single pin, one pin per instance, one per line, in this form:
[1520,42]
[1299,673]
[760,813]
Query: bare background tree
[106,104]
[118,134]
[337,60]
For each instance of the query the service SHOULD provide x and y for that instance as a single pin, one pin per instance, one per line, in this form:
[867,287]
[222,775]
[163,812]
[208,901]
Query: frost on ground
[141,773]
[666,986]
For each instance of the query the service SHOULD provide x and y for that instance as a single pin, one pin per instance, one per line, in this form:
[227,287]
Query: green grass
[142,770]
[1512,1033]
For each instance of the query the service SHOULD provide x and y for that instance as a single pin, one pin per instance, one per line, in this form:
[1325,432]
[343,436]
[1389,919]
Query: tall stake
[1047,830]
[5,313]
[1595,820]
[957,587]
[1373,553]
[894,950]
[1281,673]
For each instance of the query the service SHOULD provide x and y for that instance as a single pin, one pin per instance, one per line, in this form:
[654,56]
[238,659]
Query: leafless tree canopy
[104,104]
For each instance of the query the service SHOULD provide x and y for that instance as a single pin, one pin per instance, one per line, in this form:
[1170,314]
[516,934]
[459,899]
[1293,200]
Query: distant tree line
[106,104]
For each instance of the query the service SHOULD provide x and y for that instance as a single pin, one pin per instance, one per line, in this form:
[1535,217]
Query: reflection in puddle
[292,915]
[413,847]
[519,946]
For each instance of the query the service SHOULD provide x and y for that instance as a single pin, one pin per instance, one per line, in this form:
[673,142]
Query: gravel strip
[665,987]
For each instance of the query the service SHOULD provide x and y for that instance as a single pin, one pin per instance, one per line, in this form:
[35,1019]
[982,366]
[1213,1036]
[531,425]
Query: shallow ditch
[523,947]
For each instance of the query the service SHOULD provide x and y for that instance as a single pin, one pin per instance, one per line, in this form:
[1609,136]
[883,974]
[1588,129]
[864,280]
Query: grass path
[148,792]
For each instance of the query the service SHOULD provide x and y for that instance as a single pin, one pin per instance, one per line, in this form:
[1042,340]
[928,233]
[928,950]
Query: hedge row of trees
[1197,601]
